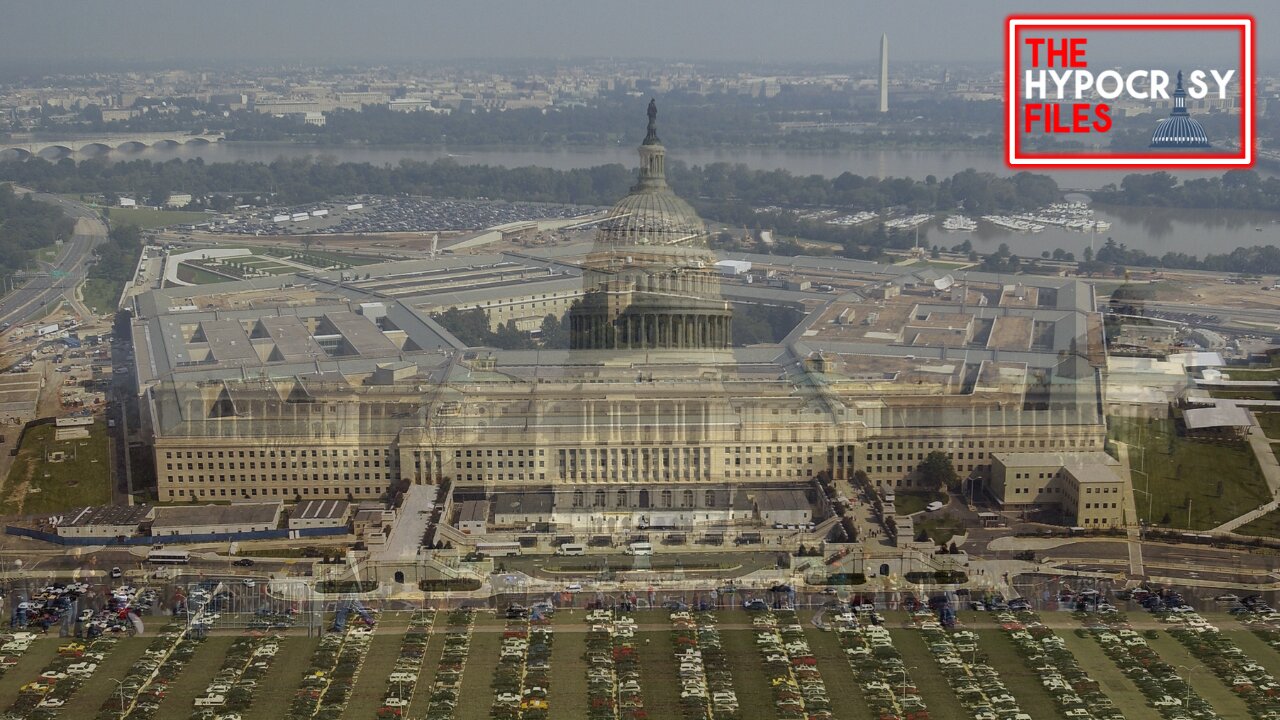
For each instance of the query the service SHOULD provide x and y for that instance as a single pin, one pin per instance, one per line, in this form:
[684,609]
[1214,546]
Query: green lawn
[940,529]
[1179,469]
[1207,685]
[837,675]
[147,218]
[475,692]
[84,478]
[430,663]
[180,696]
[1254,394]
[101,295]
[86,700]
[1021,680]
[908,503]
[567,695]
[1254,373]
[338,257]
[1270,423]
[659,682]
[29,667]
[1267,526]
[1126,696]
[750,683]
[928,678]
[275,692]
[200,276]
[371,682]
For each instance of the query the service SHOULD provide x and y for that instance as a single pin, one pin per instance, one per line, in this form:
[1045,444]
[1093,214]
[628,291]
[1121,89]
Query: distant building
[177,200]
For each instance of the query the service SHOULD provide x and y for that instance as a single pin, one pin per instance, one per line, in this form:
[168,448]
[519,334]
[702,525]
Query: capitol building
[655,419]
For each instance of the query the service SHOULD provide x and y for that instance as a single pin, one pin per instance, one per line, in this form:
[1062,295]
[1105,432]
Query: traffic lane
[590,565]
[104,560]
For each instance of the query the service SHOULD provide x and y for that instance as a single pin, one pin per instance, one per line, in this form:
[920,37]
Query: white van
[571,549]
[640,548]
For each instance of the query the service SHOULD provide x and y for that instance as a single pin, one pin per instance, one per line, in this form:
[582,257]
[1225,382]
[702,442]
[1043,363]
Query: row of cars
[613,668]
[1077,696]
[706,685]
[972,679]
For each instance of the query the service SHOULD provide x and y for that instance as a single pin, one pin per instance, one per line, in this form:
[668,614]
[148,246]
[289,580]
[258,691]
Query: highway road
[34,299]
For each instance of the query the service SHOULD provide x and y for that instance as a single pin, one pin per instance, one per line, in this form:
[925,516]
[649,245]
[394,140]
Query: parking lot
[730,663]
[389,214]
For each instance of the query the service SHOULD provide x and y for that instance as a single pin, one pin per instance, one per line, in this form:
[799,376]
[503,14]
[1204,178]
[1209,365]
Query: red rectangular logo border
[1244,24]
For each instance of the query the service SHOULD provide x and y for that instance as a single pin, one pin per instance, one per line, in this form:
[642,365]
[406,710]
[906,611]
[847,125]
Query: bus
[169,557]
[498,549]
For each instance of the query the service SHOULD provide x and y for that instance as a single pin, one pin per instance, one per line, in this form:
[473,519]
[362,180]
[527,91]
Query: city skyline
[144,31]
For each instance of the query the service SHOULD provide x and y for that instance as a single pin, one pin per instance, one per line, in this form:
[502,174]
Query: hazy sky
[36,32]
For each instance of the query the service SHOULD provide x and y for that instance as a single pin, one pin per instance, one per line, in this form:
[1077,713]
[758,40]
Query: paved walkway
[1133,530]
[1270,472]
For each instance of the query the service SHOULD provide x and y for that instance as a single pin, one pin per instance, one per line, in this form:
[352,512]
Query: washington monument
[884,72]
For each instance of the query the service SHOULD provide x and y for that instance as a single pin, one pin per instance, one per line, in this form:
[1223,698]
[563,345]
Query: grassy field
[180,697]
[28,669]
[1206,684]
[838,676]
[84,479]
[371,683]
[1254,394]
[101,295]
[928,678]
[276,691]
[147,218]
[567,695]
[476,694]
[1127,697]
[200,276]
[1270,424]
[1180,469]
[89,697]
[940,529]
[1254,373]
[1266,526]
[750,683]
[913,502]
[1021,680]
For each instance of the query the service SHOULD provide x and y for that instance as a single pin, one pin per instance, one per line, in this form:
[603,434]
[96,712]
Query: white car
[933,506]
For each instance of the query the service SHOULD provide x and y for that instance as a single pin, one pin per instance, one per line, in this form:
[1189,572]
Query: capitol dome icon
[1179,130]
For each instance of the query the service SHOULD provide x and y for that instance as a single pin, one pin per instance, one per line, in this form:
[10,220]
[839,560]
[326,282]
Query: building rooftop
[320,510]
[181,516]
[103,515]
[1218,416]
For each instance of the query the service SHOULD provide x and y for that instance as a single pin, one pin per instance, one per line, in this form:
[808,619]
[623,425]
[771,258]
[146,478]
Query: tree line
[26,226]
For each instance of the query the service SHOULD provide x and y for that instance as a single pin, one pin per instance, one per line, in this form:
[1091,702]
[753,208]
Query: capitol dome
[1179,130]
[651,215]
[649,282]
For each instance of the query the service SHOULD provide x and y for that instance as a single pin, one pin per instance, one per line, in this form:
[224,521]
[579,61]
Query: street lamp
[904,678]
[1186,700]
[120,688]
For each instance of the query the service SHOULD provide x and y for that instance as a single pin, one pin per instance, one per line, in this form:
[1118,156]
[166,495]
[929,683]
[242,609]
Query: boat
[959,223]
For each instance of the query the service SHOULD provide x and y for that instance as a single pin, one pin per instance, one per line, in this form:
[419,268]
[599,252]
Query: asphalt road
[34,298]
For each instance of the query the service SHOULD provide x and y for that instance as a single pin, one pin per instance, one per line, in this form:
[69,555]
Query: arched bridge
[104,143]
